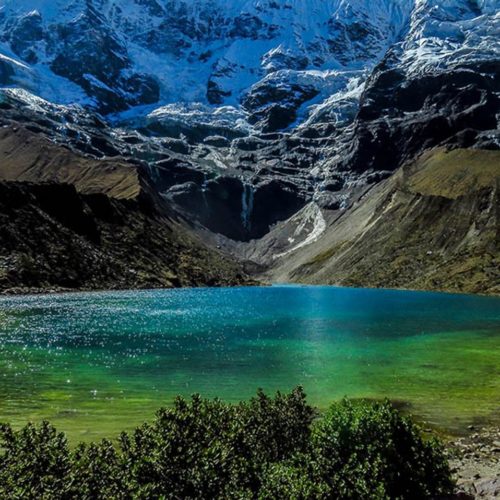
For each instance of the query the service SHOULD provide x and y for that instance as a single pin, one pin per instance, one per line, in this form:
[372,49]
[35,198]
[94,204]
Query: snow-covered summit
[125,53]
[122,54]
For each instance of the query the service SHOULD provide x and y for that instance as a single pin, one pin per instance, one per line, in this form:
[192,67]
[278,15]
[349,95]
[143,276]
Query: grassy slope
[433,225]
[26,156]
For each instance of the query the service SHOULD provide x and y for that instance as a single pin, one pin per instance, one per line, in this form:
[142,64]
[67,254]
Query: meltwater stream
[97,363]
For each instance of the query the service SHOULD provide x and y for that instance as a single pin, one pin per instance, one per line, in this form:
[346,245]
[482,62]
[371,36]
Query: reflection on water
[97,362]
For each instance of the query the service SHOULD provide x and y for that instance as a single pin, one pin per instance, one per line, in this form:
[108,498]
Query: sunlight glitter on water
[127,353]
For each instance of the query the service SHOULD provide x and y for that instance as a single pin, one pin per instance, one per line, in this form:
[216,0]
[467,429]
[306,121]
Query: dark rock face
[164,38]
[52,197]
[51,238]
[215,94]
[247,26]
[352,39]
[6,73]
[274,107]
[452,108]
[27,32]
[153,7]
[178,30]
[215,203]
[274,201]
[217,141]
[234,207]
[90,55]
[172,172]
[279,60]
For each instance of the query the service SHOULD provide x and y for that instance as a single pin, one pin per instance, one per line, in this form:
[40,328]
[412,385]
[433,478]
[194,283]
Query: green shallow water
[97,363]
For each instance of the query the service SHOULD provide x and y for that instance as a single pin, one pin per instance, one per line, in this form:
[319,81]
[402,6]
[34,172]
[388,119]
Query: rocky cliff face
[244,113]
[69,222]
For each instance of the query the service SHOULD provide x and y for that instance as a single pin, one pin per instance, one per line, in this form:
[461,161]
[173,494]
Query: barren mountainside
[433,225]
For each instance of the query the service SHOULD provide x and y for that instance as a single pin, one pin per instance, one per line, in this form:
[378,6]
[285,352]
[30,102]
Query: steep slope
[81,223]
[433,225]
[52,238]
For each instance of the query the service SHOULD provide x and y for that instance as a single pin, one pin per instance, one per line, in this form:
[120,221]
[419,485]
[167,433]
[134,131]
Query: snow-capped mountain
[126,53]
[116,54]
[245,111]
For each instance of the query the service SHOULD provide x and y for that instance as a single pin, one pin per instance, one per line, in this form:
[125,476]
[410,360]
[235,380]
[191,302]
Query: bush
[267,448]
[369,451]
[35,463]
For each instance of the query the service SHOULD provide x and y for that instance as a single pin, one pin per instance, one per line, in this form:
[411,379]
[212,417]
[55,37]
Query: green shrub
[208,449]
[98,472]
[35,462]
[267,448]
[369,451]
[297,479]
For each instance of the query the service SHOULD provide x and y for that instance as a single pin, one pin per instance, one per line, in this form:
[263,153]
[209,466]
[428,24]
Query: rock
[6,73]
[217,141]
[462,495]
[273,105]
[249,26]
[177,145]
[60,239]
[477,472]
[489,488]
[27,31]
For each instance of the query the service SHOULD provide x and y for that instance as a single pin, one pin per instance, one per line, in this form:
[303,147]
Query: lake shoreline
[475,462]
[52,290]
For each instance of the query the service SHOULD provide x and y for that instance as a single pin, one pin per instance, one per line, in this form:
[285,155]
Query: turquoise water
[95,363]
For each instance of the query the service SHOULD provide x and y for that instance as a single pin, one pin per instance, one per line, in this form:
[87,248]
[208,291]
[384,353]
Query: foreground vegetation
[267,448]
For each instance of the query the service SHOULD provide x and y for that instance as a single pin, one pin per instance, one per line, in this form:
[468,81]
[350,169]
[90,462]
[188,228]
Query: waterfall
[247,205]
[153,171]
[204,188]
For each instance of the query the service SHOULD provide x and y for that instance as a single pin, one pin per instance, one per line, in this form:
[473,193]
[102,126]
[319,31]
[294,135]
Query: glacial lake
[97,363]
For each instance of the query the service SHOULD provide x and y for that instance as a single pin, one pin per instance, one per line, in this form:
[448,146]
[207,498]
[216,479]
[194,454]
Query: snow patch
[310,215]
